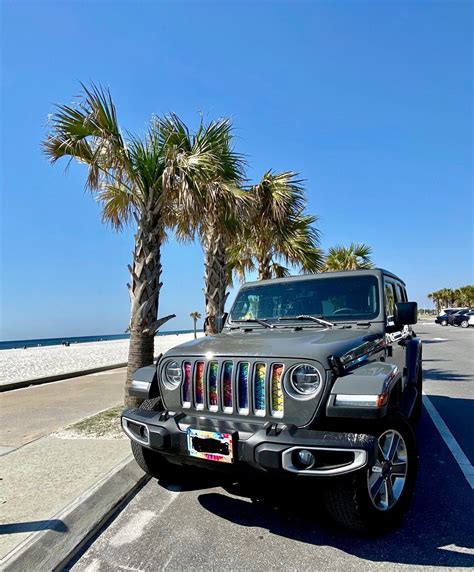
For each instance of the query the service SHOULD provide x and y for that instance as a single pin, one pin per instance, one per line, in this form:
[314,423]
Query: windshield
[348,298]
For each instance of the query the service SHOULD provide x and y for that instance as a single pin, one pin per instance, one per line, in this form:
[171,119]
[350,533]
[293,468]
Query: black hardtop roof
[373,271]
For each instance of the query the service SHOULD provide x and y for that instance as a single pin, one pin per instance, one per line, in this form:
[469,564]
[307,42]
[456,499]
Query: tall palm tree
[143,180]
[275,231]
[353,257]
[195,317]
[211,212]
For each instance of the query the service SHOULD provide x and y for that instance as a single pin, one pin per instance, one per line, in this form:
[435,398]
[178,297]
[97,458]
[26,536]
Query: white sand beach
[31,363]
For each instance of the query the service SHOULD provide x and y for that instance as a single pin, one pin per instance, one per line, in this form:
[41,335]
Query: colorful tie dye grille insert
[259,388]
[187,383]
[227,382]
[277,392]
[243,383]
[213,369]
[200,383]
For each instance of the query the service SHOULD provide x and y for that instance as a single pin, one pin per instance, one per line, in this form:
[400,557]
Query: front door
[396,336]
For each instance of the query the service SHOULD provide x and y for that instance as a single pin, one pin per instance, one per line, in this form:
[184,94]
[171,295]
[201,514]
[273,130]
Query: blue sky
[370,101]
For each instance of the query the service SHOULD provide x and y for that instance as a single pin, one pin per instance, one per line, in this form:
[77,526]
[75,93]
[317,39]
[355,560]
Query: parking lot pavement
[448,366]
[168,528]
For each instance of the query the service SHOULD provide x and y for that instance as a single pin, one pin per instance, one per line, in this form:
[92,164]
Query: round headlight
[173,374]
[304,381]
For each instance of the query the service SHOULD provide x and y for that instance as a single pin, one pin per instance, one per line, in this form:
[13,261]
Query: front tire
[444,322]
[464,324]
[150,461]
[374,500]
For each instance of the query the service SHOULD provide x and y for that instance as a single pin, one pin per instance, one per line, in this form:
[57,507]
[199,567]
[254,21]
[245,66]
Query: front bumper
[269,447]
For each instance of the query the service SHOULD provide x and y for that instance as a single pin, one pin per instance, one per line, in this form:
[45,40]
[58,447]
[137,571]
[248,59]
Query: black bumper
[266,447]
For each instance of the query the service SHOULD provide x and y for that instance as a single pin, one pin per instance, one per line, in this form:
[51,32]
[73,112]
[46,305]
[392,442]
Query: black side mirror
[406,313]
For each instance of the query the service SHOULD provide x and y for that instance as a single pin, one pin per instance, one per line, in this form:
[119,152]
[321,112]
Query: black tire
[151,462]
[348,500]
[444,322]
[464,324]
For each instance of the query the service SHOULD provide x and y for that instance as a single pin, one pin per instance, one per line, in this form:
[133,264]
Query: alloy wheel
[386,479]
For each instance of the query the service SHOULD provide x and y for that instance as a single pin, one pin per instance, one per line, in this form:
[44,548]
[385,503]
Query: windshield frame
[276,322]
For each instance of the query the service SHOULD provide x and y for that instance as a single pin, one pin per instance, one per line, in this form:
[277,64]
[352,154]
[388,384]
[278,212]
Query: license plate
[211,445]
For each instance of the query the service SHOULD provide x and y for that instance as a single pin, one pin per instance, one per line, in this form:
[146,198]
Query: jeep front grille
[233,386]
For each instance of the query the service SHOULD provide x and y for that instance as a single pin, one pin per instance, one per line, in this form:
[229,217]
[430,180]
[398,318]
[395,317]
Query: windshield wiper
[254,321]
[308,317]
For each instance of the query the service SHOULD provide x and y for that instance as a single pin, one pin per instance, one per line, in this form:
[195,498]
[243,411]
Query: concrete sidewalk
[32,412]
[47,473]
[41,478]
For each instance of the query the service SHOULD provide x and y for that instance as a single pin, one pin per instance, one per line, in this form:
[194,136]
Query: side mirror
[406,313]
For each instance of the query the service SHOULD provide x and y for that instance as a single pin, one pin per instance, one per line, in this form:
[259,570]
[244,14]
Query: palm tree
[143,180]
[211,211]
[195,316]
[275,231]
[445,297]
[353,257]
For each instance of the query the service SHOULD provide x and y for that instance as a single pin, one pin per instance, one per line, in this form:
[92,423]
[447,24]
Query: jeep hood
[278,343]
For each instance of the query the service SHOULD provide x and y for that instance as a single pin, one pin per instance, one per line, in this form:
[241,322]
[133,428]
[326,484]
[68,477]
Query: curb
[58,377]
[74,525]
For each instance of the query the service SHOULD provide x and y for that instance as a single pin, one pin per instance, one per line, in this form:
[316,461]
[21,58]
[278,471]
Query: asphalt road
[212,528]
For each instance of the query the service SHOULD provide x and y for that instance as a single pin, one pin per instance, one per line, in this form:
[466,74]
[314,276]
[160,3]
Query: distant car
[457,314]
[464,320]
[443,316]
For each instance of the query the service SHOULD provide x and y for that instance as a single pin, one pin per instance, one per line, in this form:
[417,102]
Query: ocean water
[12,344]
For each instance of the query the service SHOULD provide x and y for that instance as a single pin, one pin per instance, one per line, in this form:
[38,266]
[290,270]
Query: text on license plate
[210,445]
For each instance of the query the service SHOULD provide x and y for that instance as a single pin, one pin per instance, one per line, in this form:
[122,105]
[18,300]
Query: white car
[467,319]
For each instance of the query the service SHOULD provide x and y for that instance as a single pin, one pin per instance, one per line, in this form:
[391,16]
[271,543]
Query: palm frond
[117,205]
[356,256]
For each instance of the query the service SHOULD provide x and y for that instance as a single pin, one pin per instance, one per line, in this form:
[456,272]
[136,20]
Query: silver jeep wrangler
[314,377]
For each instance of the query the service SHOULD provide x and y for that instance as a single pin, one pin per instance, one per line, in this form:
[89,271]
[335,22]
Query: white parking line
[459,455]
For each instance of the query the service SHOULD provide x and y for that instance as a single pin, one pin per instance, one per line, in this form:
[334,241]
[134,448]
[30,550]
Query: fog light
[306,458]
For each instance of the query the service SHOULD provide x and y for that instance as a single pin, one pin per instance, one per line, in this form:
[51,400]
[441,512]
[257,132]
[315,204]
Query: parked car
[314,379]
[457,314]
[443,316]
[465,319]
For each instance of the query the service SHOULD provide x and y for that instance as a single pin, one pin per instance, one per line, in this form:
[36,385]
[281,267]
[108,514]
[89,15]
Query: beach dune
[32,363]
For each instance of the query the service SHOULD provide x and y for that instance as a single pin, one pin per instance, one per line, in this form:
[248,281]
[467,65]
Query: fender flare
[145,383]
[413,359]
[364,392]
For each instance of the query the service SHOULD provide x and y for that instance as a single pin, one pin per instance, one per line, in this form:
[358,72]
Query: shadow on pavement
[444,375]
[438,531]
[33,526]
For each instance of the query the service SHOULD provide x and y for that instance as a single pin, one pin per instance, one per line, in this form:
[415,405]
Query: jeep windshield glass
[338,299]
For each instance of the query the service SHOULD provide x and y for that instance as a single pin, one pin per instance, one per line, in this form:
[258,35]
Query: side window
[389,299]
[400,293]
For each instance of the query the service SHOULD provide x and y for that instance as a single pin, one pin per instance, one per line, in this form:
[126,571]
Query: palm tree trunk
[195,332]
[264,270]
[215,279]
[144,289]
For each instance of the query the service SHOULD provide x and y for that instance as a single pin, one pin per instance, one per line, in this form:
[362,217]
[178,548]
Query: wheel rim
[386,479]
[464,324]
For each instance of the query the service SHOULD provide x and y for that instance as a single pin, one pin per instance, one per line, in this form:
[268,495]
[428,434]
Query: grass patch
[103,425]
